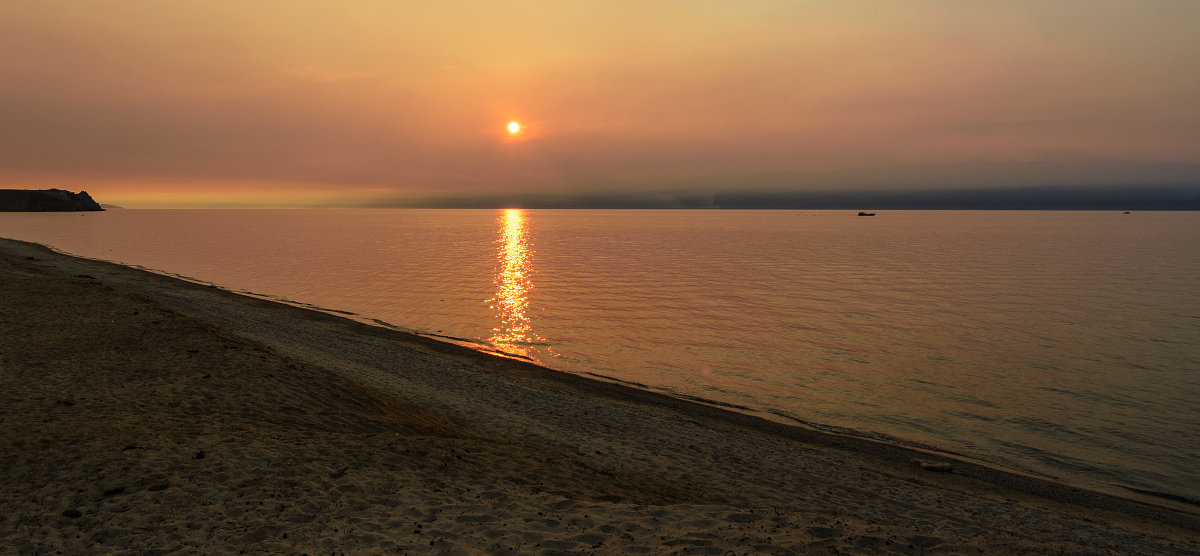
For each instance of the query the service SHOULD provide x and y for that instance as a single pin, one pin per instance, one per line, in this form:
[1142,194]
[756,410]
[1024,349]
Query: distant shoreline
[1041,198]
[847,211]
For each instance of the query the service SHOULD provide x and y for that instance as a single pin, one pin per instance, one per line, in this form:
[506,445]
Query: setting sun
[514,127]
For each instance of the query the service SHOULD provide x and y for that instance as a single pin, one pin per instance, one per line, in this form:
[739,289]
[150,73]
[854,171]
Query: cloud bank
[221,102]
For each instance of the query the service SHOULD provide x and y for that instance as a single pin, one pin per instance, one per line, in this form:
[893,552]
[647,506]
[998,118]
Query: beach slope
[139,412]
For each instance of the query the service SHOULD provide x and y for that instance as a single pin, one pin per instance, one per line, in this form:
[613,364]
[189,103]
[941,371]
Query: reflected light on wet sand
[513,335]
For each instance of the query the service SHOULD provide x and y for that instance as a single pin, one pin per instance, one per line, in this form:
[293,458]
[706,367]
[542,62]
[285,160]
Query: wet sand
[143,413]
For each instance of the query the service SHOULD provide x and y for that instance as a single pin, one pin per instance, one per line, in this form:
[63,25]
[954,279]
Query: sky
[296,103]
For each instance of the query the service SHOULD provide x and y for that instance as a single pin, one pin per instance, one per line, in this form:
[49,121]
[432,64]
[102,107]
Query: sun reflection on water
[513,335]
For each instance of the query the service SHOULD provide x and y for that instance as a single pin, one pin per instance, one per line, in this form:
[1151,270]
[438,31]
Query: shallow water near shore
[1061,343]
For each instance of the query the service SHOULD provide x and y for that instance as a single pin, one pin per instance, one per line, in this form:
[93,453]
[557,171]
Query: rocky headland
[45,200]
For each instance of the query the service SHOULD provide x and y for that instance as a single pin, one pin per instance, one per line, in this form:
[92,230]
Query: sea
[1059,344]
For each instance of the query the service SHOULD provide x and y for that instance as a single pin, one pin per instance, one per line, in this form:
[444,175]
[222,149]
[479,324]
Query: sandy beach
[145,414]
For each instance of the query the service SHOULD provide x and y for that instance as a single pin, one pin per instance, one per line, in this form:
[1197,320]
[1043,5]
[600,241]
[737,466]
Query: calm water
[1062,343]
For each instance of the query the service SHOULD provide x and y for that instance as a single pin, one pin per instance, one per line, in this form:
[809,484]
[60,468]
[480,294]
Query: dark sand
[139,413]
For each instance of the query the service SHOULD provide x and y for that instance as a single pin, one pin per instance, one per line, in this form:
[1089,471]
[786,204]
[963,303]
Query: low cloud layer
[158,103]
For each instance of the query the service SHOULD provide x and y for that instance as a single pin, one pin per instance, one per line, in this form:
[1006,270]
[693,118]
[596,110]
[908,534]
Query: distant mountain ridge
[45,200]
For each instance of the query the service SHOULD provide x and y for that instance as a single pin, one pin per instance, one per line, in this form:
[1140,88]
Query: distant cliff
[45,200]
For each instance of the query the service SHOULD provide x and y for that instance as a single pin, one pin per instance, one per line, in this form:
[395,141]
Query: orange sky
[231,103]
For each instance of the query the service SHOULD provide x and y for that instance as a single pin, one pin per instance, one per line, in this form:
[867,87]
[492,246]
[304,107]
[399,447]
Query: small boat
[864,213]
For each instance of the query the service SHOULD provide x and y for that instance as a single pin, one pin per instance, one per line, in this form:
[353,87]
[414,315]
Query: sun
[514,127]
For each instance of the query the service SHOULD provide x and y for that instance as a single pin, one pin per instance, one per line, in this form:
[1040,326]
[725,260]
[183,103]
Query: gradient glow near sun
[514,127]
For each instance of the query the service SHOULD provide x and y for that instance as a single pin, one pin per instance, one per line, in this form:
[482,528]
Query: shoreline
[1135,501]
[510,410]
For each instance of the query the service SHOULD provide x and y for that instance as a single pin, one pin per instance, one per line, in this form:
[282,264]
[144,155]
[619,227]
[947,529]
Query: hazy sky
[152,103]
